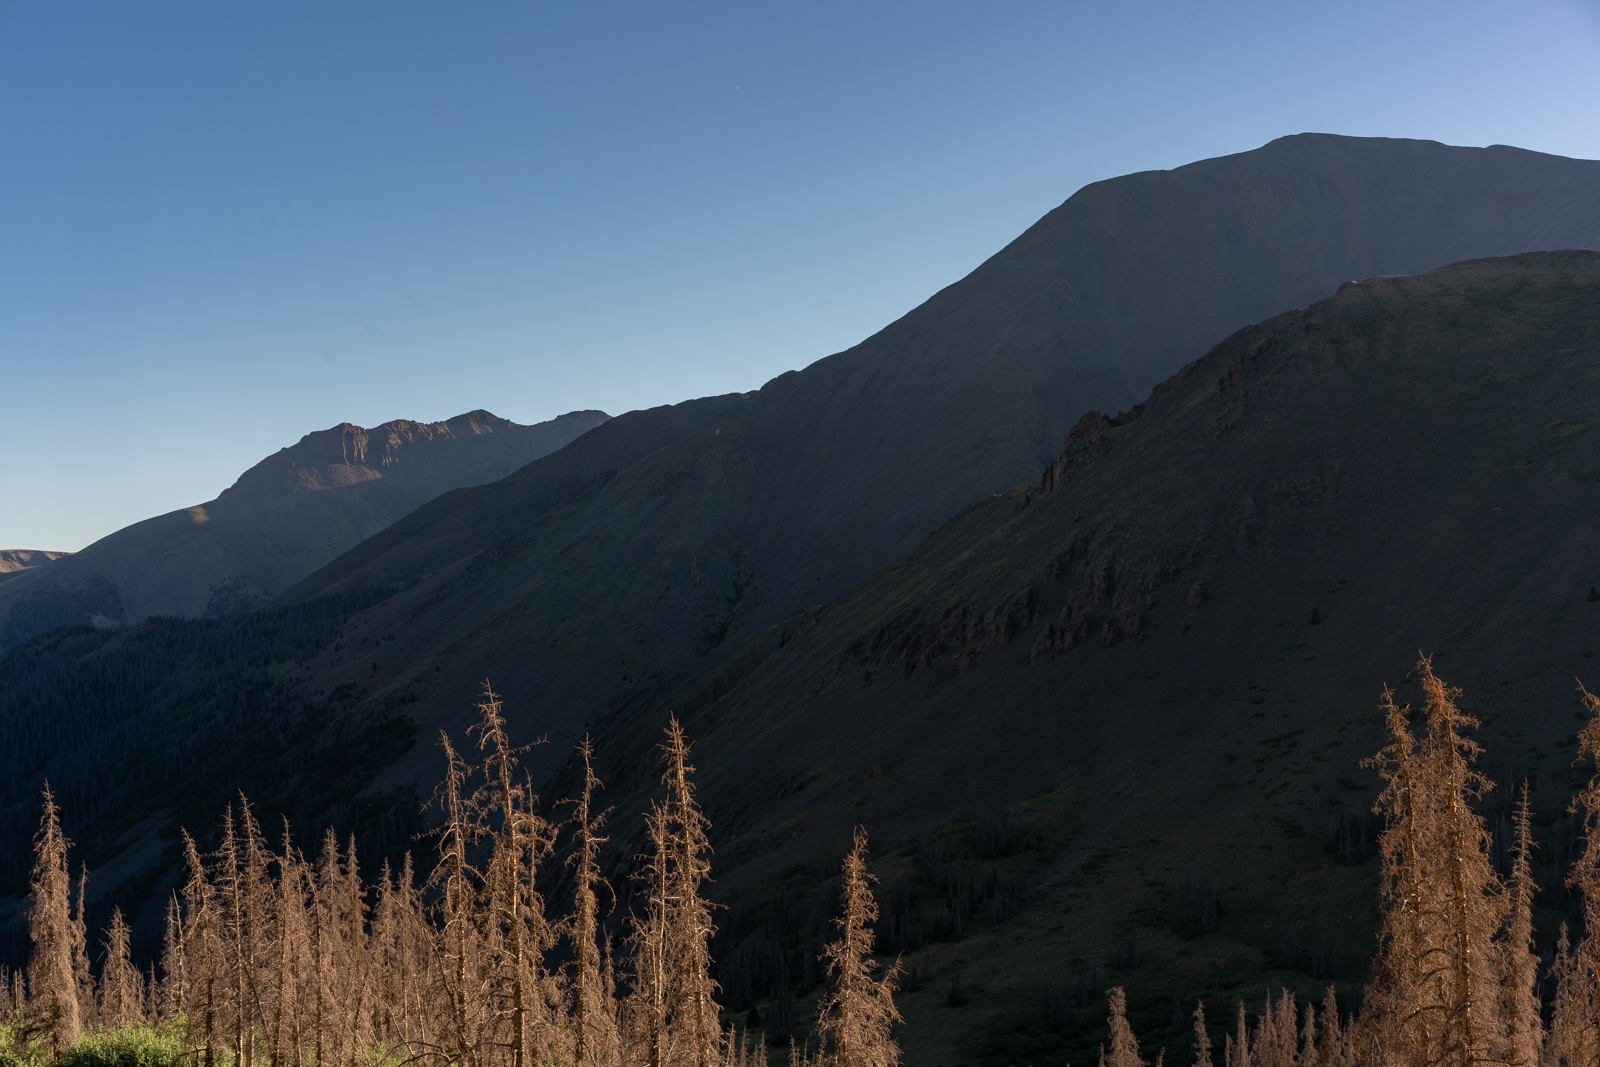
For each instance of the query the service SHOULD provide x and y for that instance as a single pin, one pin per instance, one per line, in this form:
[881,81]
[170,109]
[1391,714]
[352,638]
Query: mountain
[14,561]
[1146,679]
[1105,727]
[654,562]
[282,519]
[822,476]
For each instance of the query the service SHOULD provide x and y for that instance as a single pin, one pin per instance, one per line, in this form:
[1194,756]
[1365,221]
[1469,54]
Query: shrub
[142,1045]
[20,1046]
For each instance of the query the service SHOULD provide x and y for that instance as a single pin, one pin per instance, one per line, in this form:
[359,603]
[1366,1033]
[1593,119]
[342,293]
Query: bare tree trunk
[292,950]
[203,949]
[174,969]
[1520,1008]
[647,1006]
[588,1000]
[693,1011]
[509,848]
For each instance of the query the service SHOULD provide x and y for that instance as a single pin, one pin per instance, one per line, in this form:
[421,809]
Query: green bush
[17,1049]
[143,1045]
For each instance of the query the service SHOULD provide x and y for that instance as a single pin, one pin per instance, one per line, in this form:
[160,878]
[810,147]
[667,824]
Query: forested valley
[511,946]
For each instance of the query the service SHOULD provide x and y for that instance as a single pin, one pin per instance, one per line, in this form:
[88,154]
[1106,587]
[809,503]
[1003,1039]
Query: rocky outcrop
[951,639]
[1085,443]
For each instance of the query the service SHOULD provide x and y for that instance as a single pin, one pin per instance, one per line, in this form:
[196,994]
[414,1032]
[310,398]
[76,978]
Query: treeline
[177,713]
[293,960]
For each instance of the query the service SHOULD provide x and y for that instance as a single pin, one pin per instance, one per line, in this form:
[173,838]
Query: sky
[223,226]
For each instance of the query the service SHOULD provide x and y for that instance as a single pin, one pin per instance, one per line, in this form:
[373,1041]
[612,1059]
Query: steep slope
[283,518]
[13,561]
[1153,671]
[824,475]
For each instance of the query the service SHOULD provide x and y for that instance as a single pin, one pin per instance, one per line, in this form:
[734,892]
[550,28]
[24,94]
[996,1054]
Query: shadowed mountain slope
[1098,724]
[826,474]
[284,517]
[1146,679]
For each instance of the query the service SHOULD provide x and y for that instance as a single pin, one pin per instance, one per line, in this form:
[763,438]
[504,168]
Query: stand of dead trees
[1455,982]
[294,961]
[286,960]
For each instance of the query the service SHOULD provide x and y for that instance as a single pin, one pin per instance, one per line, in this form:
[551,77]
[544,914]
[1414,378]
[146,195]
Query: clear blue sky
[225,225]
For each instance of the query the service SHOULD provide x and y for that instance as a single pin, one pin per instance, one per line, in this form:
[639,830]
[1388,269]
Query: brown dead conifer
[203,954]
[354,988]
[1520,1008]
[1308,1037]
[324,951]
[1124,1050]
[236,959]
[1408,906]
[645,1012]
[594,1035]
[52,978]
[1578,1010]
[458,973]
[1568,1014]
[80,951]
[519,842]
[1434,995]
[857,1013]
[695,1032]
[121,998]
[415,948]
[388,994]
[174,993]
[259,896]
[1333,1048]
[1202,1038]
[291,957]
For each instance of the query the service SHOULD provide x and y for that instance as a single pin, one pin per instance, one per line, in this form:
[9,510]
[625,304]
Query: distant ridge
[282,518]
[14,561]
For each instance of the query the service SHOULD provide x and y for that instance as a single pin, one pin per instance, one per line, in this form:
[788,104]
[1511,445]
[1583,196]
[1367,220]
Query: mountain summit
[283,518]
[792,493]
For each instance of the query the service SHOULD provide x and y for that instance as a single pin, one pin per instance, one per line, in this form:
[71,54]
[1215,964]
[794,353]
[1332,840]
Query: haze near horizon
[226,229]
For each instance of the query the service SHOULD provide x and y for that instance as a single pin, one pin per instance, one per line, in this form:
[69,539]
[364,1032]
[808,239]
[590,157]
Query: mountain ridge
[823,475]
[14,561]
[281,518]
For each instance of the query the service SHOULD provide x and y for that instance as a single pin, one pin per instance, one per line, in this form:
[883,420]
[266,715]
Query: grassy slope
[1412,463]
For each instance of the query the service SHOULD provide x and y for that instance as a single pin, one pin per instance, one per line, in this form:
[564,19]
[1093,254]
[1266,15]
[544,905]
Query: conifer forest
[510,947]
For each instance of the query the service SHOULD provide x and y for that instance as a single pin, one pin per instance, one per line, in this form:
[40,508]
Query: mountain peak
[348,454]
[282,519]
